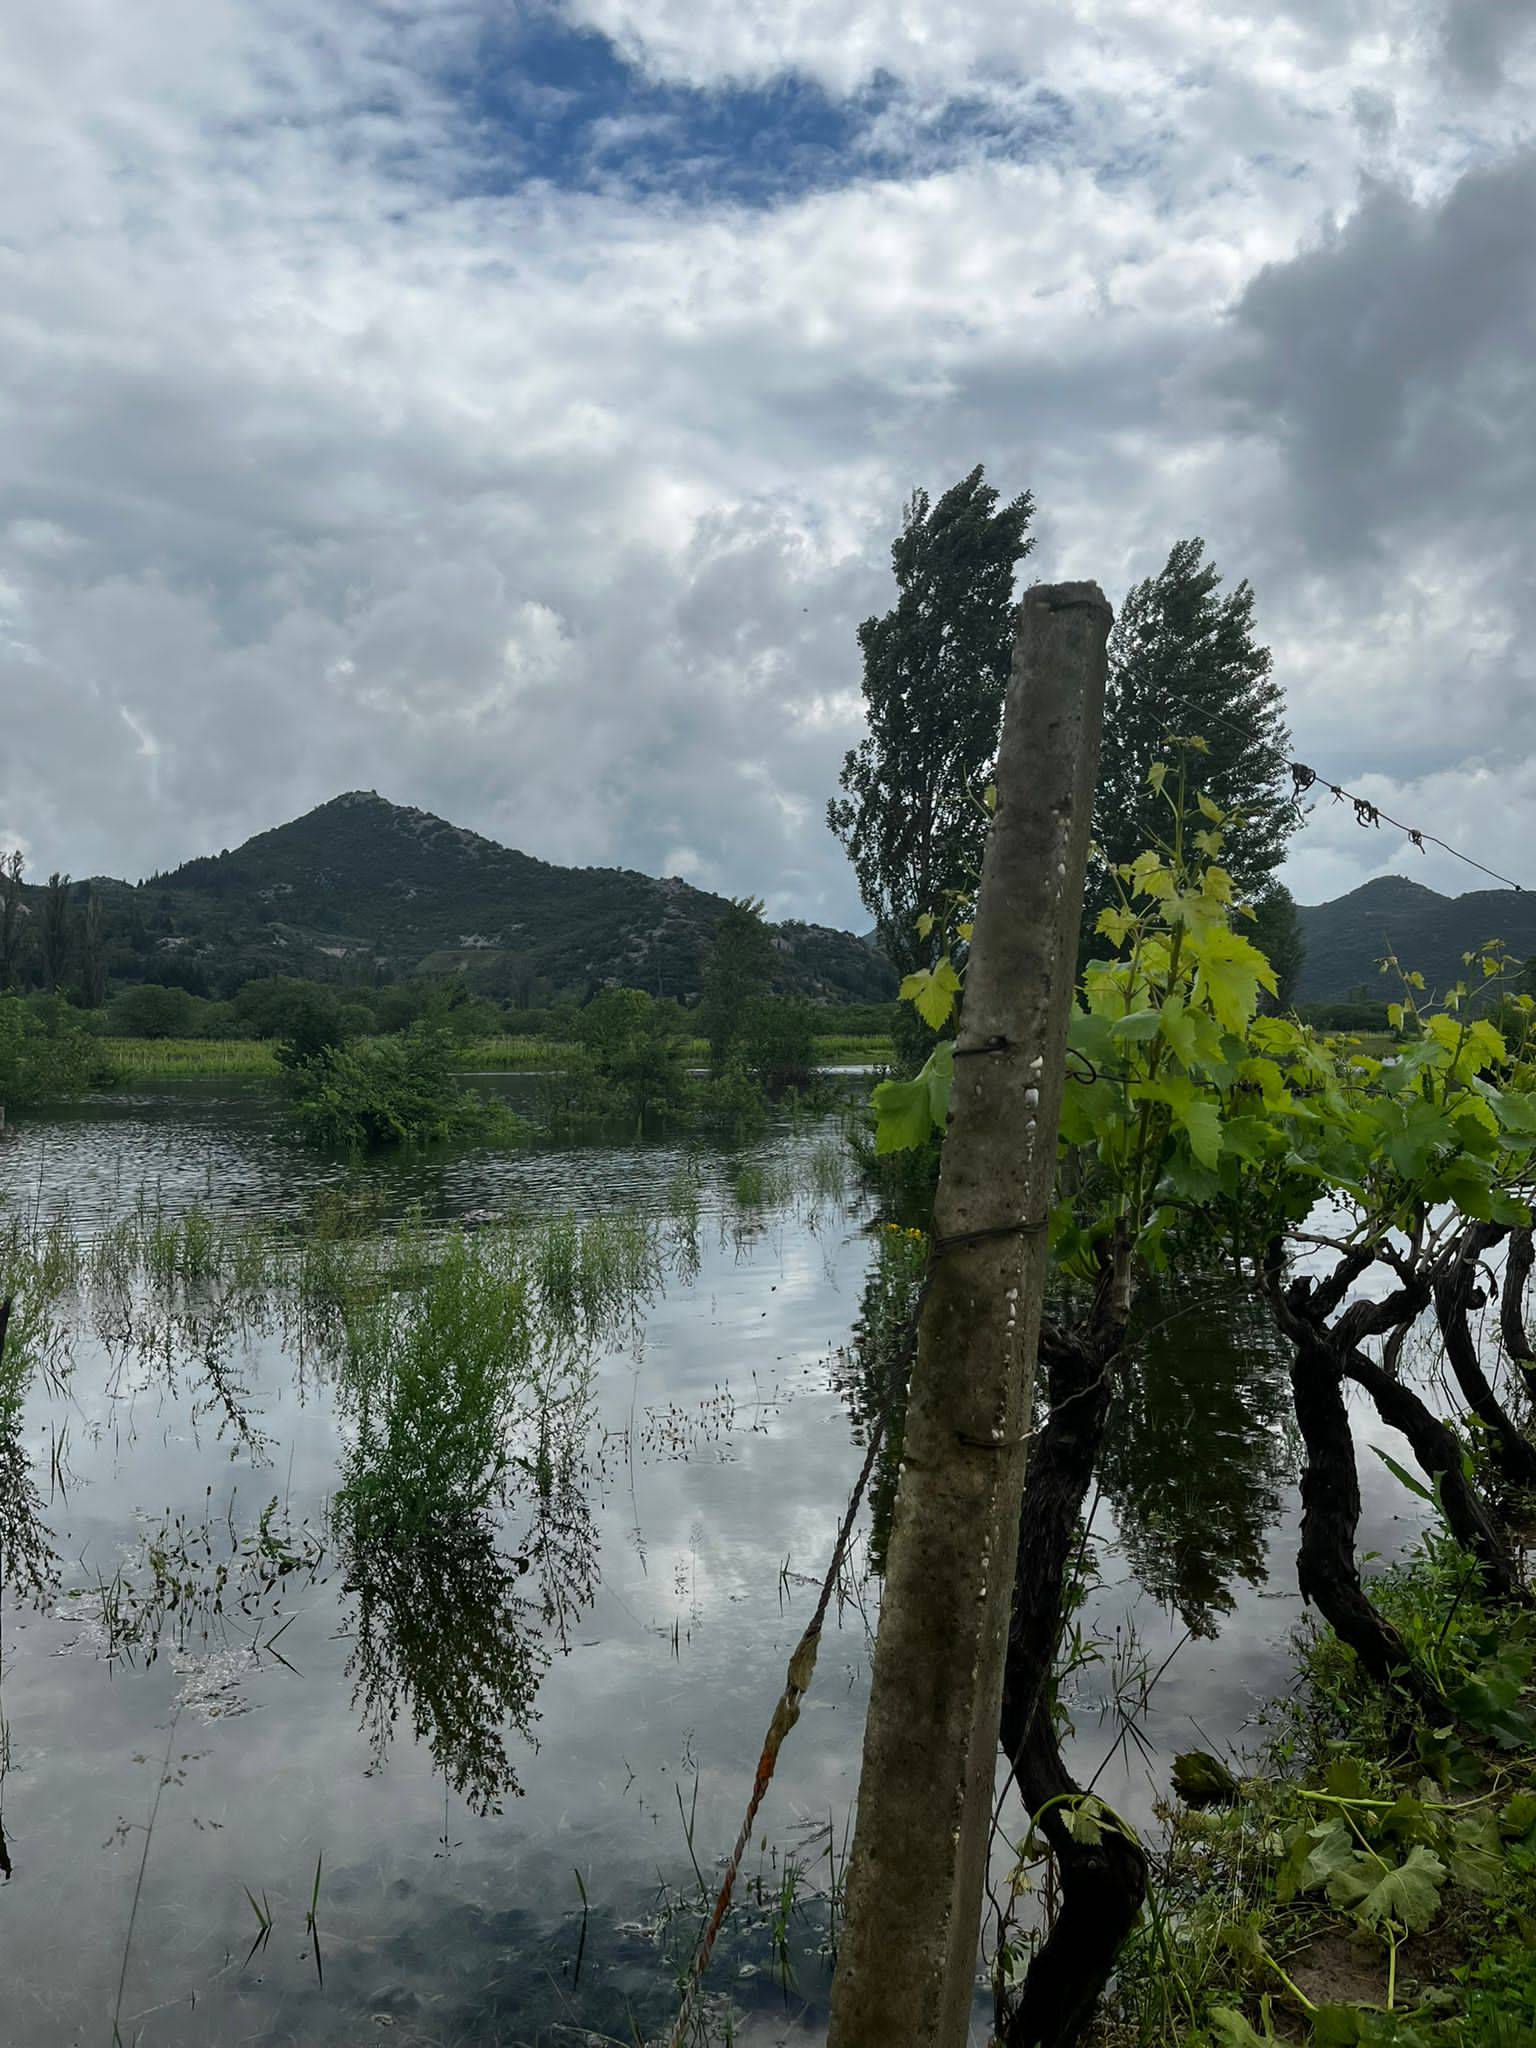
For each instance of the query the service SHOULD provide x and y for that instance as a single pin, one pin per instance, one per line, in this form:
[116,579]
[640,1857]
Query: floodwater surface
[273,1771]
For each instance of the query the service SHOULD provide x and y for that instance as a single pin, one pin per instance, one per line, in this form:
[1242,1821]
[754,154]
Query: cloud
[438,405]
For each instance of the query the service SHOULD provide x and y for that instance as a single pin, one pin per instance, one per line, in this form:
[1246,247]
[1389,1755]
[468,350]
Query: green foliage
[150,1010]
[778,1040]
[303,1013]
[636,1050]
[936,670]
[737,972]
[1176,636]
[44,1055]
[1189,1114]
[1425,1864]
[391,1091]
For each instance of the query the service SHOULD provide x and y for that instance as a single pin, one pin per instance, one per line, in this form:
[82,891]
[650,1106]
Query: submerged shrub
[391,1091]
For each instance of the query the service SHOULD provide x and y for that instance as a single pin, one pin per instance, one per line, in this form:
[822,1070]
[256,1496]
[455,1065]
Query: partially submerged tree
[936,669]
[737,971]
[1184,659]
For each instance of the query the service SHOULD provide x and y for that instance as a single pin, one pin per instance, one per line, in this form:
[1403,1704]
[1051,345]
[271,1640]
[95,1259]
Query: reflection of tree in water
[461,1522]
[455,1621]
[28,1564]
[1198,1450]
[874,1369]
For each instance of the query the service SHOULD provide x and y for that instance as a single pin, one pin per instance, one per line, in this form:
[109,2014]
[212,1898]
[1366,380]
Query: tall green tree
[935,673]
[12,916]
[1183,659]
[1276,931]
[93,950]
[738,969]
[56,933]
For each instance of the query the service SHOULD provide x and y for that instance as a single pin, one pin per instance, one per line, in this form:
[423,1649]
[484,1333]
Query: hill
[1345,938]
[362,890]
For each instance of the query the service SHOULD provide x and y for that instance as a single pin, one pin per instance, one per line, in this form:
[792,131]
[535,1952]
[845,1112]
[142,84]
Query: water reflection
[443,1633]
[1200,1450]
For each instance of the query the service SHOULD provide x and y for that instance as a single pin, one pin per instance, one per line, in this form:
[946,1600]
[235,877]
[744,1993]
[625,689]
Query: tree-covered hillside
[1345,939]
[362,890]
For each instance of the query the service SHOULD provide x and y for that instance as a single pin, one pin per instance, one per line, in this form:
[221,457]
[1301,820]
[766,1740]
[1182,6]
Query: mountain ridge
[1393,914]
[363,889]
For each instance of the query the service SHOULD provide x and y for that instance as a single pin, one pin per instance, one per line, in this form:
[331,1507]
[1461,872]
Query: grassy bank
[1375,1885]
[218,1058]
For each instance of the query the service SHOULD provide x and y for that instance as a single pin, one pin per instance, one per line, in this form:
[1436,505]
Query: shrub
[779,1040]
[42,1057]
[391,1091]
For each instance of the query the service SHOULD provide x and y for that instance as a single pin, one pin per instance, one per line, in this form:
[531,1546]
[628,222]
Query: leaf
[1081,1820]
[1138,1027]
[1517,1816]
[1177,1025]
[1202,1122]
[1408,1896]
[1333,1850]
[1336,2026]
[924,926]
[1233,2031]
[932,992]
[1404,1477]
[1476,1854]
[1157,775]
[1345,1779]
[1201,1779]
[1211,812]
[939,1074]
[903,1115]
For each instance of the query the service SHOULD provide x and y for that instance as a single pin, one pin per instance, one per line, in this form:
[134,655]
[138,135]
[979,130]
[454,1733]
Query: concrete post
[907,1965]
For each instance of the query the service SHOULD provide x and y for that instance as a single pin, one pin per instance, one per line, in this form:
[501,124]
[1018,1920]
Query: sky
[508,407]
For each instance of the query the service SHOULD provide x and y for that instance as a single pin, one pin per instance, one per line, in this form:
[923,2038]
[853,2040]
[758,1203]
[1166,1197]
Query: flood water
[499,1784]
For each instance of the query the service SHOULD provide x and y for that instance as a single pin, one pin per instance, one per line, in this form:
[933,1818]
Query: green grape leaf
[1137,1028]
[1408,1896]
[932,992]
[903,1115]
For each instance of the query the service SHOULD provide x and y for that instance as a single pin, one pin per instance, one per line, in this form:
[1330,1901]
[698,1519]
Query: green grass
[220,1058]
[1374,1884]
[170,1057]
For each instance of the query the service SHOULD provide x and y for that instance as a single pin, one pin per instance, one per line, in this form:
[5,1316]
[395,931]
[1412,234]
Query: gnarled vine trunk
[1517,1271]
[1455,1288]
[1326,1570]
[1103,1881]
[1439,1454]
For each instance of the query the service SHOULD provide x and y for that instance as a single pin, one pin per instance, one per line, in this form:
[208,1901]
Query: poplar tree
[1183,658]
[738,969]
[56,934]
[12,912]
[935,670]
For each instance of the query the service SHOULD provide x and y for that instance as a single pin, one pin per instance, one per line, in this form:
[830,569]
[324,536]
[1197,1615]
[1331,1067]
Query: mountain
[363,889]
[1346,938]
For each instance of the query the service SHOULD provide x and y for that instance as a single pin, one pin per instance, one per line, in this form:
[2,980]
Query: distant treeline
[286,1008]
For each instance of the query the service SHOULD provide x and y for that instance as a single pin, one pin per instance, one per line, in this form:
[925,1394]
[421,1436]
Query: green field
[218,1058]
